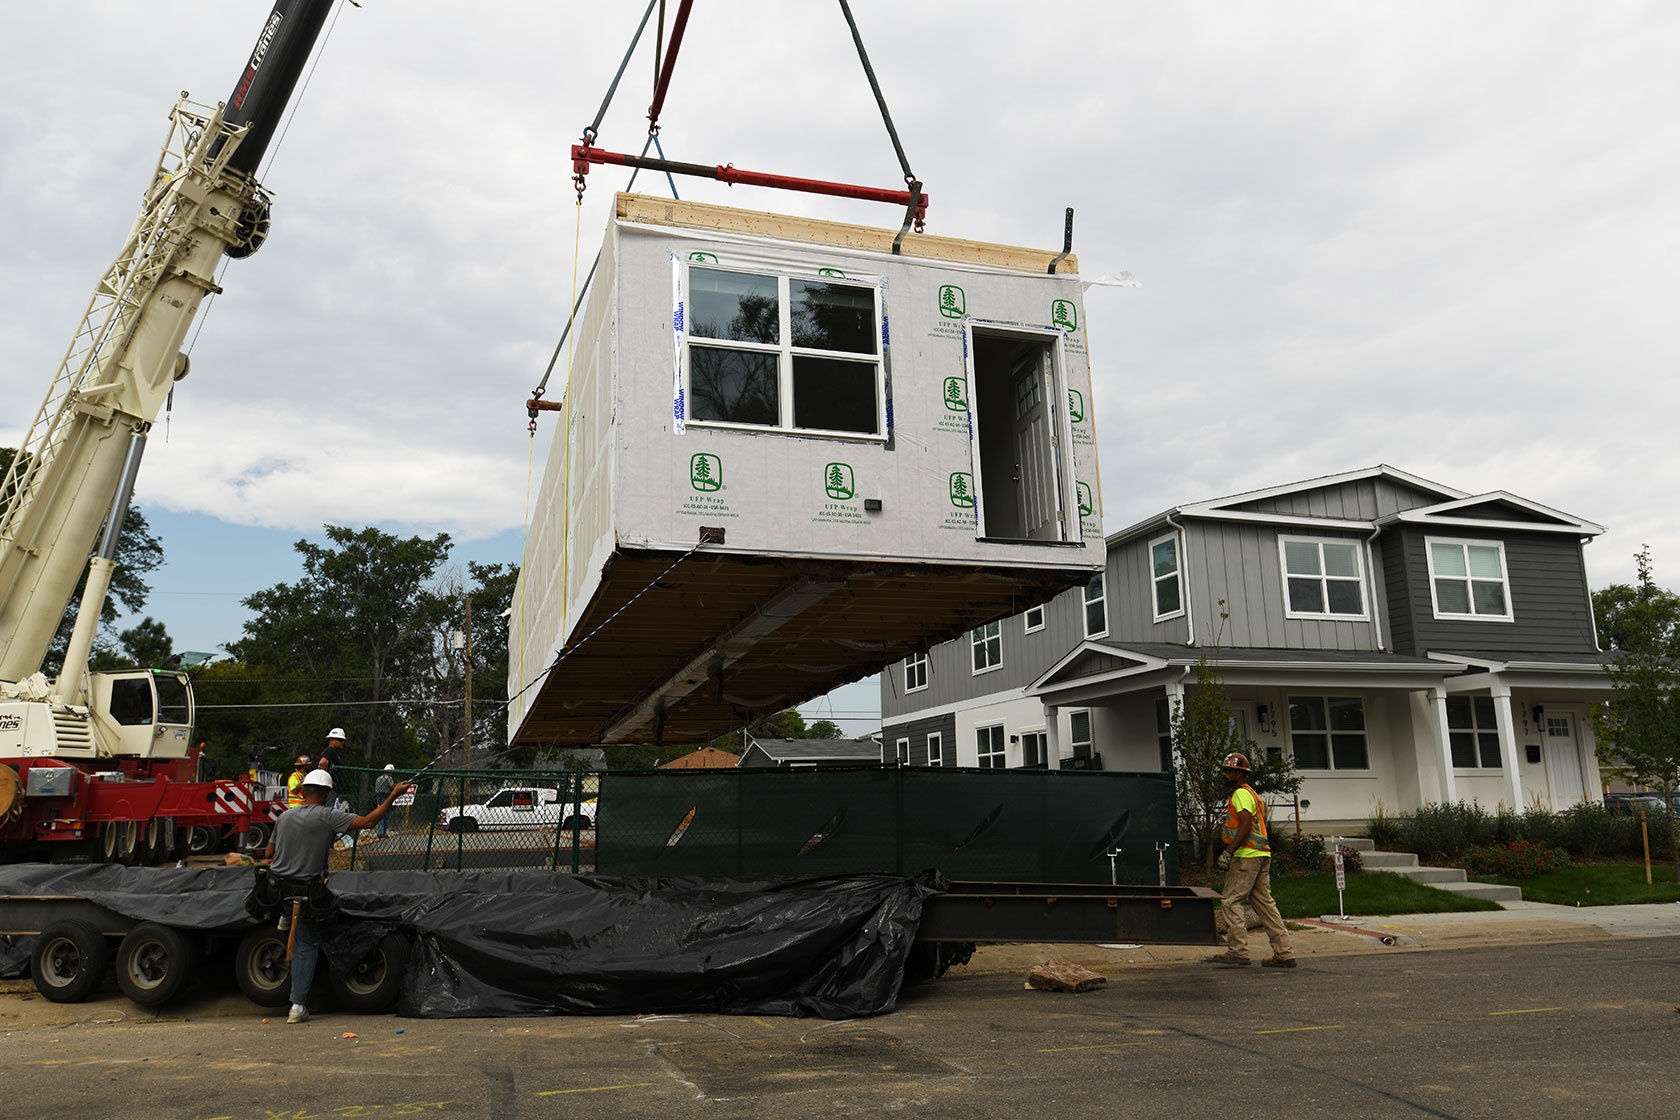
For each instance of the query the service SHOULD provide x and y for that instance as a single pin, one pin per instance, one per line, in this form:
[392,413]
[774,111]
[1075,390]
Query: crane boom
[203,201]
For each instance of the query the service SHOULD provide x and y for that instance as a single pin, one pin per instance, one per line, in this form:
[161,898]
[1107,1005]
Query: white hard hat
[336,733]
[390,766]
[318,778]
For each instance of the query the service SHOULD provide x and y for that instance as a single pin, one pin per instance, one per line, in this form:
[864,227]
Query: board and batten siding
[1131,595]
[1551,605]
[1237,591]
[1364,499]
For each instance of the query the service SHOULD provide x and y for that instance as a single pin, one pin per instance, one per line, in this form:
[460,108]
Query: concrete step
[1388,861]
[1434,876]
[1493,892]
[1357,843]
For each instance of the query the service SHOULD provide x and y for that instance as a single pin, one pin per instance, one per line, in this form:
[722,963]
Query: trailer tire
[69,961]
[154,963]
[373,985]
[201,840]
[261,968]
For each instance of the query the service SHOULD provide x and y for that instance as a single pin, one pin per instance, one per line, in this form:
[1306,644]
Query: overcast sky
[1437,235]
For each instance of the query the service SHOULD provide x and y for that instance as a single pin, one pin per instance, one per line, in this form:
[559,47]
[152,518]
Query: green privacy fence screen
[983,825]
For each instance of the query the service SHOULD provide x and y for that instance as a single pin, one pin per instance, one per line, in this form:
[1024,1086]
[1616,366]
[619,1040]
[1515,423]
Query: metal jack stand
[1113,866]
[1161,862]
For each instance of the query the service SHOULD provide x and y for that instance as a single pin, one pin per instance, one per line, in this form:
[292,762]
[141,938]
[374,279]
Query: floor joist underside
[723,639]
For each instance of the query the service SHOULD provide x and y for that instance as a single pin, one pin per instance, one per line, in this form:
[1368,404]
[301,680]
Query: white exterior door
[1563,759]
[1035,461]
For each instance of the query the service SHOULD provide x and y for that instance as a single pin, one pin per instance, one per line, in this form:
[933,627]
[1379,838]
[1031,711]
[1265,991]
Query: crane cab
[142,713]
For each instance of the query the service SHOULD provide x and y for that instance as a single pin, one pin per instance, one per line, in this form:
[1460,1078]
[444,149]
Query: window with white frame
[1096,608]
[1164,569]
[936,748]
[1322,578]
[1079,733]
[901,751]
[1328,733]
[1473,732]
[1468,579]
[988,647]
[1035,619]
[1034,748]
[988,747]
[916,672]
[788,352]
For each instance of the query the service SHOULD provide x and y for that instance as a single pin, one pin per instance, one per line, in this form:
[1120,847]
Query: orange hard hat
[1234,761]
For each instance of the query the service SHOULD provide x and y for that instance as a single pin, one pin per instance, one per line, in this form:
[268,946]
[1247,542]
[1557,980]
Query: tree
[1628,616]
[1641,722]
[824,729]
[138,551]
[1203,733]
[354,628]
[145,645]
[443,672]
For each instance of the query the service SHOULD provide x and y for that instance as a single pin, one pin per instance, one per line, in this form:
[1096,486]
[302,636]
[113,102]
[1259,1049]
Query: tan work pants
[1250,879]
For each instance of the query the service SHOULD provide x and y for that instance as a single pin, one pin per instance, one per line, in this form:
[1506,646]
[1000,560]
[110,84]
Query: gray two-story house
[1405,642]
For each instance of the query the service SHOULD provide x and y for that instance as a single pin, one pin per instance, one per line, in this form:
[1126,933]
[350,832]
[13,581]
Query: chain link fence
[975,825]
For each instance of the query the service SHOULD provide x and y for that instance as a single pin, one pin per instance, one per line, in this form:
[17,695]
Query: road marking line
[1525,1011]
[1106,1046]
[595,1089]
[1293,1030]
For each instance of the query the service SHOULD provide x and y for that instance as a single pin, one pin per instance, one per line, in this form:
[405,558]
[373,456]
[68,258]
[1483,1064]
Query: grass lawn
[1604,884]
[1368,892]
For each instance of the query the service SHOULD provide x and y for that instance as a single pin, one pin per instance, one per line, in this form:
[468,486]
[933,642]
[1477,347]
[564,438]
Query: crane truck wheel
[107,852]
[373,984]
[128,841]
[69,961]
[153,846]
[261,968]
[154,963]
[201,840]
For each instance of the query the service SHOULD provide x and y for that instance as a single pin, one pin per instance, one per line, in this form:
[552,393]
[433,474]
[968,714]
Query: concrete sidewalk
[1519,923]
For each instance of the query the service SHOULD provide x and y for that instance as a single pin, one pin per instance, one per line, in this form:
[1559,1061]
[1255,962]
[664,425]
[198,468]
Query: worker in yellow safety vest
[294,795]
[1247,862]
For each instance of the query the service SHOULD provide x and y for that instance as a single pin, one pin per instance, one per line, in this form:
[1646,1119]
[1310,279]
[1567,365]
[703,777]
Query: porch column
[1449,787]
[1174,689]
[1052,737]
[1507,742]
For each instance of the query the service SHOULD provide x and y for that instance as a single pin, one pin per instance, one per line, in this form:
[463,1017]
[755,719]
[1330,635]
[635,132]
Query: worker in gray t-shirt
[302,838]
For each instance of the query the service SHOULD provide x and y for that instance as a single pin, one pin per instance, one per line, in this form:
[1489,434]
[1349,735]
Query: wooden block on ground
[1063,976]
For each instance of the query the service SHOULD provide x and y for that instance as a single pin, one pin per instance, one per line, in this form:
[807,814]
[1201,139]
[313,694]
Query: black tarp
[14,956]
[539,943]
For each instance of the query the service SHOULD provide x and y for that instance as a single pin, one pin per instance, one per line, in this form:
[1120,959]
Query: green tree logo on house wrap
[952,303]
[838,481]
[1076,405]
[956,394]
[705,472]
[831,273]
[702,258]
[962,490]
[1064,314]
[1086,505]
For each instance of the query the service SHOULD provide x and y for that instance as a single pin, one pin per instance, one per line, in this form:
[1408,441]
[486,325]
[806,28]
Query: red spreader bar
[583,156]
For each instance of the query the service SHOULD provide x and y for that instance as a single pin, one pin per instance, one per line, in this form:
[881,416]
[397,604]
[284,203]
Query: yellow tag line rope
[595,1089]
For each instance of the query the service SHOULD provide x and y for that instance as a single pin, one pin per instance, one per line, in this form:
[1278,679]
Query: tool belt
[270,893]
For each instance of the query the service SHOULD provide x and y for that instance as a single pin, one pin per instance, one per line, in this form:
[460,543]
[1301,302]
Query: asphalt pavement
[1509,1014]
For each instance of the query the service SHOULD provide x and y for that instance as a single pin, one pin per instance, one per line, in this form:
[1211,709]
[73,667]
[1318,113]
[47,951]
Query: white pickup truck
[516,807]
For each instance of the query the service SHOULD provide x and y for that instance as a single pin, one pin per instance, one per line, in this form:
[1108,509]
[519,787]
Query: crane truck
[102,766]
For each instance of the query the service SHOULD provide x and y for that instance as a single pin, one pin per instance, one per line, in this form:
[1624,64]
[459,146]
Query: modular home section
[860,454]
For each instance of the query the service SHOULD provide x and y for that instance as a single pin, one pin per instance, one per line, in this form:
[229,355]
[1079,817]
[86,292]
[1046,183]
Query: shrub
[1385,831]
[1591,831]
[1305,852]
[1446,830]
[1517,860]
[1351,859]
[1538,826]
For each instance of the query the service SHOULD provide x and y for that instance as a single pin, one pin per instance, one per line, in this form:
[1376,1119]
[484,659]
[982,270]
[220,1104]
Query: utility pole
[466,738]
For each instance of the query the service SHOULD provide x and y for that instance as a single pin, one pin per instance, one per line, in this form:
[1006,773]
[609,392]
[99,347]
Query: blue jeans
[306,951]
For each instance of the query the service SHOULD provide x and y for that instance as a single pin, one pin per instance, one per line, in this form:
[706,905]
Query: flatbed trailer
[78,937]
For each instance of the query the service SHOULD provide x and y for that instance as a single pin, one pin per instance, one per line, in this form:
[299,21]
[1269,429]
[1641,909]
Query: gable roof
[811,751]
[1497,509]
[1243,506]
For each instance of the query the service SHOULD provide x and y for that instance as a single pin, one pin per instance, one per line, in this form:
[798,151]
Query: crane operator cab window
[131,702]
[174,701]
